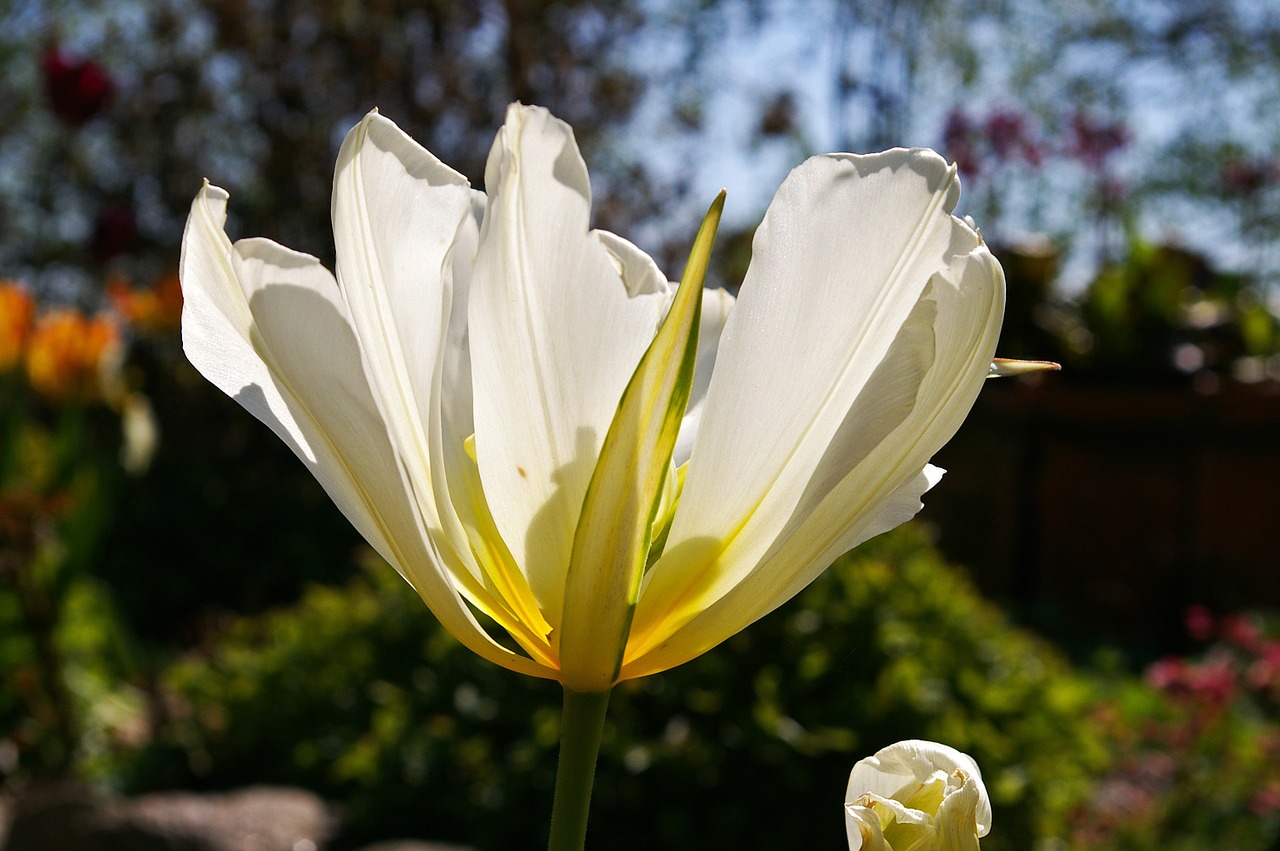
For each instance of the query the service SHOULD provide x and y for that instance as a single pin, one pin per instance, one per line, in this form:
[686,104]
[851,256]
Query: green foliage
[226,519]
[58,475]
[357,693]
[1159,315]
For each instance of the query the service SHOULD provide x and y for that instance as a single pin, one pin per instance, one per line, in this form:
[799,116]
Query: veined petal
[406,234]
[840,264]
[882,488]
[554,337]
[957,822]
[716,305]
[863,828]
[897,769]
[396,213]
[267,326]
[860,491]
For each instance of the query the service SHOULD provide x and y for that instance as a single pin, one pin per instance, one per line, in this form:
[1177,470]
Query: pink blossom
[1241,631]
[1095,141]
[1199,622]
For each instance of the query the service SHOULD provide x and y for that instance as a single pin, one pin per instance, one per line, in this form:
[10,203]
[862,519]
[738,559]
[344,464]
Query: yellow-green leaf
[612,540]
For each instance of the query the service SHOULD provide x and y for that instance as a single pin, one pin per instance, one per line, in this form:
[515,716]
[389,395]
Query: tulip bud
[916,796]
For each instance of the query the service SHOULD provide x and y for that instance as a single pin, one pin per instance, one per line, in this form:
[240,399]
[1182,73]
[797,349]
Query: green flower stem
[580,729]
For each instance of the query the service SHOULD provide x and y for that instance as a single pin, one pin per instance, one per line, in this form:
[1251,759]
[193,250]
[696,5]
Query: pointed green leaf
[612,539]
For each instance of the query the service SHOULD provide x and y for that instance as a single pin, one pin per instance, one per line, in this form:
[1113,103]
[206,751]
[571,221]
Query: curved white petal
[960,819]
[640,275]
[839,285]
[875,491]
[894,770]
[268,327]
[863,828]
[716,305]
[406,234]
[396,212]
[554,337]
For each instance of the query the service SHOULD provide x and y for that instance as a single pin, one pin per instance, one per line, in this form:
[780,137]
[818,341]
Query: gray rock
[71,818]
[415,845]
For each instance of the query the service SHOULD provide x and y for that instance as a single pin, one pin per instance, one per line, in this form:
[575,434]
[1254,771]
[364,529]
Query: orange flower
[16,310]
[157,310]
[71,355]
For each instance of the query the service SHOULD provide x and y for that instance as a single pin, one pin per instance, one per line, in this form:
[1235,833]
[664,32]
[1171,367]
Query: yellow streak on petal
[694,597]
[518,612]
[211,232]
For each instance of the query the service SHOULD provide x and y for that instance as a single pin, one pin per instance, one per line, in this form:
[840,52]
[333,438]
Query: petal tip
[1010,367]
[212,191]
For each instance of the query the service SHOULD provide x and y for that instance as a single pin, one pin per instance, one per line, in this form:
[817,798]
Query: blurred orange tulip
[70,355]
[154,310]
[17,308]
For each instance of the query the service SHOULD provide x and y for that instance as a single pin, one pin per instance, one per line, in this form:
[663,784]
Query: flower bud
[916,796]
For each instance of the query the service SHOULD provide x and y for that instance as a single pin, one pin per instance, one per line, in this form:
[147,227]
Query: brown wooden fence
[1104,512]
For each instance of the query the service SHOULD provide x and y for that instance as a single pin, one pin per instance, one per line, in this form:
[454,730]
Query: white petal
[869,497]
[267,326]
[452,406]
[406,232]
[640,275]
[716,305]
[863,488]
[554,337]
[863,828]
[842,260]
[905,764]
[959,820]
[396,213]
[875,491]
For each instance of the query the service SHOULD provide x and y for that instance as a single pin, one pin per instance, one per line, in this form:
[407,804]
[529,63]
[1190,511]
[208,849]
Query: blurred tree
[257,96]
[118,107]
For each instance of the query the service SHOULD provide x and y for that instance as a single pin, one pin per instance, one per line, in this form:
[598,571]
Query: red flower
[114,231]
[1009,137]
[77,88]
[1166,673]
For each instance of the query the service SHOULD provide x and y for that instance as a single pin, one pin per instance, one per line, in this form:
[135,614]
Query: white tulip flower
[507,404]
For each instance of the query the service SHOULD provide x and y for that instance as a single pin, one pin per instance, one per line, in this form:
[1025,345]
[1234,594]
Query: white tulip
[458,388]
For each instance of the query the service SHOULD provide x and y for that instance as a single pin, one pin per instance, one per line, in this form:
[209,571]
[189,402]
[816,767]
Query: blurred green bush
[357,693]
[125,665]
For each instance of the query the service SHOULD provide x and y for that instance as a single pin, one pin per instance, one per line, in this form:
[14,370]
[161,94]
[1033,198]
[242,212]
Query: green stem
[580,729]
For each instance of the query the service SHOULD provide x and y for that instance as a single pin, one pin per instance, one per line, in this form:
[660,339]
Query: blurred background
[1085,605]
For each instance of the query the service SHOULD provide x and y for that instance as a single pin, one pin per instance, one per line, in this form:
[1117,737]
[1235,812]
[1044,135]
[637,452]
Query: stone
[415,845]
[263,818]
